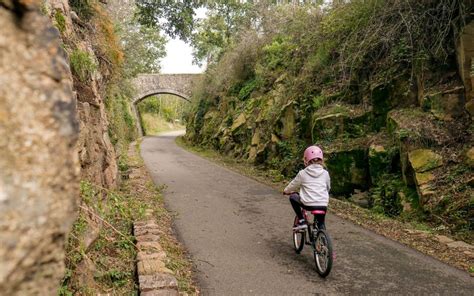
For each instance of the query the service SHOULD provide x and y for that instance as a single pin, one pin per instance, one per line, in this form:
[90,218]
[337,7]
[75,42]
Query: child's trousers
[297,205]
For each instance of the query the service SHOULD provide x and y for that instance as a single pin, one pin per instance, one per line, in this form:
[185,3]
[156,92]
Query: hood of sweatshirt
[314,170]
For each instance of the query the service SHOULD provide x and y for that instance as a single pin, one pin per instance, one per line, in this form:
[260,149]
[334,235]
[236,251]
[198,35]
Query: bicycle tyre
[298,238]
[324,257]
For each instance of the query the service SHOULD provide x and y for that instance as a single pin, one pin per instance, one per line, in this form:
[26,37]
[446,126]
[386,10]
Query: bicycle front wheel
[323,255]
[298,238]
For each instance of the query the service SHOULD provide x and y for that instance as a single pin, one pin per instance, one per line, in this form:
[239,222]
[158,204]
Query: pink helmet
[311,153]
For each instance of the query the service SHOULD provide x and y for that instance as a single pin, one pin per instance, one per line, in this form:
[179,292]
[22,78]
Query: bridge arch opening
[164,96]
[148,85]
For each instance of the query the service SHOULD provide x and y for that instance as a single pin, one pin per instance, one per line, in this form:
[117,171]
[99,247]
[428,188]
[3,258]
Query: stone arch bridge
[147,85]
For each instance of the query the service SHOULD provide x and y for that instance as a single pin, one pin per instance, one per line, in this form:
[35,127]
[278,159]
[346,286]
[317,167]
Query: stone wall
[178,84]
[96,152]
[38,163]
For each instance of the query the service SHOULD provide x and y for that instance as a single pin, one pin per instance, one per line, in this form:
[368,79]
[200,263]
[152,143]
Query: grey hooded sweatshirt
[313,184]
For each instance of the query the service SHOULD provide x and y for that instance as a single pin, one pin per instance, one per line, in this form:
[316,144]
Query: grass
[60,21]
[154,124]
[108,263]
[82,64]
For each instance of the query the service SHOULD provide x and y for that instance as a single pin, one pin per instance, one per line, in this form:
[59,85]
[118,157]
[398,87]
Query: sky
[179,57]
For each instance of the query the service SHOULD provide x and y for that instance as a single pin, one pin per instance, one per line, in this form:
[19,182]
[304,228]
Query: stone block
[146,231]
[156,282]
[142,255]
[288,121]
[380,161]
[148,238]
[238,122]
[144,223]
[460,244]
[163,292]
[256,137]
[444,239]
[149,246]
[152,266]
[423,178]
[470,157]
[422,160]
[348,167]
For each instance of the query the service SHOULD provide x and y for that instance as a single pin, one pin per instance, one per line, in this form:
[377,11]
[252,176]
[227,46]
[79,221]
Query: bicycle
[318,239]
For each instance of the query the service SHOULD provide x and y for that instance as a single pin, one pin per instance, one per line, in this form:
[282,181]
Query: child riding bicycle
[310,188]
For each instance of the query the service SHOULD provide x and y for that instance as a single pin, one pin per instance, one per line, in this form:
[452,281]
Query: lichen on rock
[38,168]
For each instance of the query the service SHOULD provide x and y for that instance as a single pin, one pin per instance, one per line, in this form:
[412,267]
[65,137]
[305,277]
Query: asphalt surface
[238,233]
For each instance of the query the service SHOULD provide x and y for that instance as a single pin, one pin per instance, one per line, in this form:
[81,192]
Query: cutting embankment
[386,91]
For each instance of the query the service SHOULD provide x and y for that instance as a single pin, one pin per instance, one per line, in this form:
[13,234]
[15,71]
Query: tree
[175,18]
[144,47]
[214,34]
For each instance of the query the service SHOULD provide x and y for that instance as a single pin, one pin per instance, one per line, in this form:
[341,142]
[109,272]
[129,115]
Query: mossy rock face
[238,122]
[348,170]
[470,108]
[444,106]
[417,126]
[328,127]
[381,161]
[256,137]
[424,178]
[470,157]
[289,123]
[380,103]
[422,160]
[337,120]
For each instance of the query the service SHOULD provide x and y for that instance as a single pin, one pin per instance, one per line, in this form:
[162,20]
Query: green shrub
[60,21]
[82,64]
[122,127]
[385,195]
[247,89]
[277,55]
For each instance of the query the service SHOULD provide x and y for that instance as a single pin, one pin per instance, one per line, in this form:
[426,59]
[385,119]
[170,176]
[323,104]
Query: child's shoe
[301,225]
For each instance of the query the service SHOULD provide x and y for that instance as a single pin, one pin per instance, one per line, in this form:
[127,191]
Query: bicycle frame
[312,229]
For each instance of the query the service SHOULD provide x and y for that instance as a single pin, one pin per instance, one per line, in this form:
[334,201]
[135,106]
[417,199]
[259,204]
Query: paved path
[238,232]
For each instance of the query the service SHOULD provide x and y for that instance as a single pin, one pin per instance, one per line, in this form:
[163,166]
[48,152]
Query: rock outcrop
[96,152]
[38,163]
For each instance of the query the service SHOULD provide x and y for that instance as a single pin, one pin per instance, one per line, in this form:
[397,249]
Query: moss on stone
[348,169]
[470,157]
[424,178]
[390,196]
[422,160]
[381,160]
[238,122]
[289,123]
[60,21]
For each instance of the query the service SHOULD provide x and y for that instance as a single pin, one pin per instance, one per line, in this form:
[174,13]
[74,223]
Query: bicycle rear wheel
[323,255]
[298,238]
